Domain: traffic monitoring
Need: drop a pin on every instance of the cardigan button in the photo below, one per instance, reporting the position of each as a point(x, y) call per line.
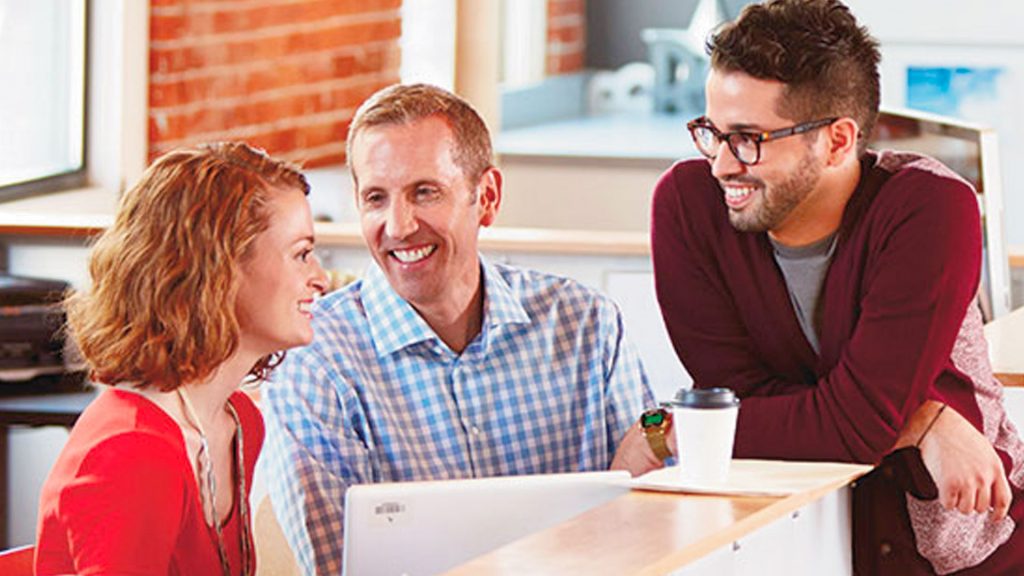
point(885, 548)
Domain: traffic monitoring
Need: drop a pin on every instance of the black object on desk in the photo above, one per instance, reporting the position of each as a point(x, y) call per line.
point(49, 402)
point(31, 321)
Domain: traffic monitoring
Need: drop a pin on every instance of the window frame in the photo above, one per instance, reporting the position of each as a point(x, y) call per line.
point(78, 177)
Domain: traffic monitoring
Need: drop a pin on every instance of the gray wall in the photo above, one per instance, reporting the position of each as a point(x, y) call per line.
point(613, 26)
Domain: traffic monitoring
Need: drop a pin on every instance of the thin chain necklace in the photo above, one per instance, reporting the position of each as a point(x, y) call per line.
point(208, 485)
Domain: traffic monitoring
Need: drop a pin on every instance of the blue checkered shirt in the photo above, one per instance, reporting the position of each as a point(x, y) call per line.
point(549, 385)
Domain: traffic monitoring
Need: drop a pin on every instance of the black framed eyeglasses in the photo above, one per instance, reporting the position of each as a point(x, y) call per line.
point(744, 145)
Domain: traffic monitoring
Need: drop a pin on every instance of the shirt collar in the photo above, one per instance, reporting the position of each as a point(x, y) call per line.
point(395, 324)
point(501, 305)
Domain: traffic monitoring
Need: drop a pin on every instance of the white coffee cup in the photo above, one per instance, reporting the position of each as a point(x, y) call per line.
point(704, 421)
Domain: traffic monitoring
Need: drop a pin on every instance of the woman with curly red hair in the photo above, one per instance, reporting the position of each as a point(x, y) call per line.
point(205, 277)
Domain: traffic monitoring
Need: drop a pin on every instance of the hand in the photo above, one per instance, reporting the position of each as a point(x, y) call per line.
point(635, 455)
point(965, 467)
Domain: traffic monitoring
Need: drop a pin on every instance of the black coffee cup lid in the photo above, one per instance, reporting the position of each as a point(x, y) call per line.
point(705, 398)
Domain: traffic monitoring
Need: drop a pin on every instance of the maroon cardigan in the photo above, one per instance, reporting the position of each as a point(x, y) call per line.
point(905, 271)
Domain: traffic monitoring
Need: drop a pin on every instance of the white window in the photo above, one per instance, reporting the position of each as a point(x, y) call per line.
point(524, 42)
point(42, 104)
point(428, 42)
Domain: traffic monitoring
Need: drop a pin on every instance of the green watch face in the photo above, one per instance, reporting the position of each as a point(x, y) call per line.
point(652, 418)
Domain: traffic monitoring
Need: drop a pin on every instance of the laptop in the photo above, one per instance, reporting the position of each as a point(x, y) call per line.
point(420, 528)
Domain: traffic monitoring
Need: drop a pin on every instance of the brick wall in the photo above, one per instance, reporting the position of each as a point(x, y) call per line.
point(284, 75)
point(567, 36)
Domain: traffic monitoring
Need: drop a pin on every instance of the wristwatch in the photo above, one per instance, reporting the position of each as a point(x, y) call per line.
point(655, 423)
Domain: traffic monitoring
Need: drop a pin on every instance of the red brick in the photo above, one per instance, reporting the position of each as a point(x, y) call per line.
point(560, 34)
point(233, 20)
point(284, 14)
point(332, 159)
point(370, 60)
point(316, 136)
point(566, 35)
point(566, 7)
point(278, 142)
point(172, 128)
point(228, 97)
point(164, 95)
point(166, 61)
point(564, 63)
point(248, 50)
point(293, 72)
point(166, 27)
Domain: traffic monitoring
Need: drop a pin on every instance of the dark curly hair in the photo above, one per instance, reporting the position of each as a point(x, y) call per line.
point(827, 61)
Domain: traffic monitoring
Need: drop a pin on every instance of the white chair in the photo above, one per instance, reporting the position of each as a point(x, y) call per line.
point(17, 561)
point(972, 151)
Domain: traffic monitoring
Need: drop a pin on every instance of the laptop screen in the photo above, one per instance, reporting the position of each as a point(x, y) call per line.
point(417, 528)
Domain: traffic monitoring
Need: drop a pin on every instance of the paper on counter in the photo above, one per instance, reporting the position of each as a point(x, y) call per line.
point(754, 478)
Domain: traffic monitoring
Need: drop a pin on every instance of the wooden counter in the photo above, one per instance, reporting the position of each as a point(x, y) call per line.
point(648, 533)
point(1005, 337)
point(56, 225)
point(1016, 255)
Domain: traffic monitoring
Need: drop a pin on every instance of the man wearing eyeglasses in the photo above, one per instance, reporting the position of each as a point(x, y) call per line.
point(833, 288)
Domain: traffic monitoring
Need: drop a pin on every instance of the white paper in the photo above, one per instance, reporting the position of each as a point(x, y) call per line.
point(752, 478)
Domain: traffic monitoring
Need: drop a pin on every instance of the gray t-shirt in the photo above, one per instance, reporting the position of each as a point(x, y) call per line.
point(804, 269)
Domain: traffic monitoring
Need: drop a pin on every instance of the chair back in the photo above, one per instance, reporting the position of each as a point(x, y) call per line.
point(17, 561)
point(972, 151)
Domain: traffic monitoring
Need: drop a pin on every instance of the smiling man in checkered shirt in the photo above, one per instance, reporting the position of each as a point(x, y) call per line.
point(440, 364)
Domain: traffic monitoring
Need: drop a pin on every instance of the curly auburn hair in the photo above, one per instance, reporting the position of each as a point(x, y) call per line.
point(407, 103)
point(161, 310)
point(828, 62)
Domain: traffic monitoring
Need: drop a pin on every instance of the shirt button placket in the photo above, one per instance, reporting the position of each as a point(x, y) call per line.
point(465, 410)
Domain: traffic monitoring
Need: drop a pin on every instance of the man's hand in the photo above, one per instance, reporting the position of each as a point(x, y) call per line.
point(635, 455)
point(966, 469)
